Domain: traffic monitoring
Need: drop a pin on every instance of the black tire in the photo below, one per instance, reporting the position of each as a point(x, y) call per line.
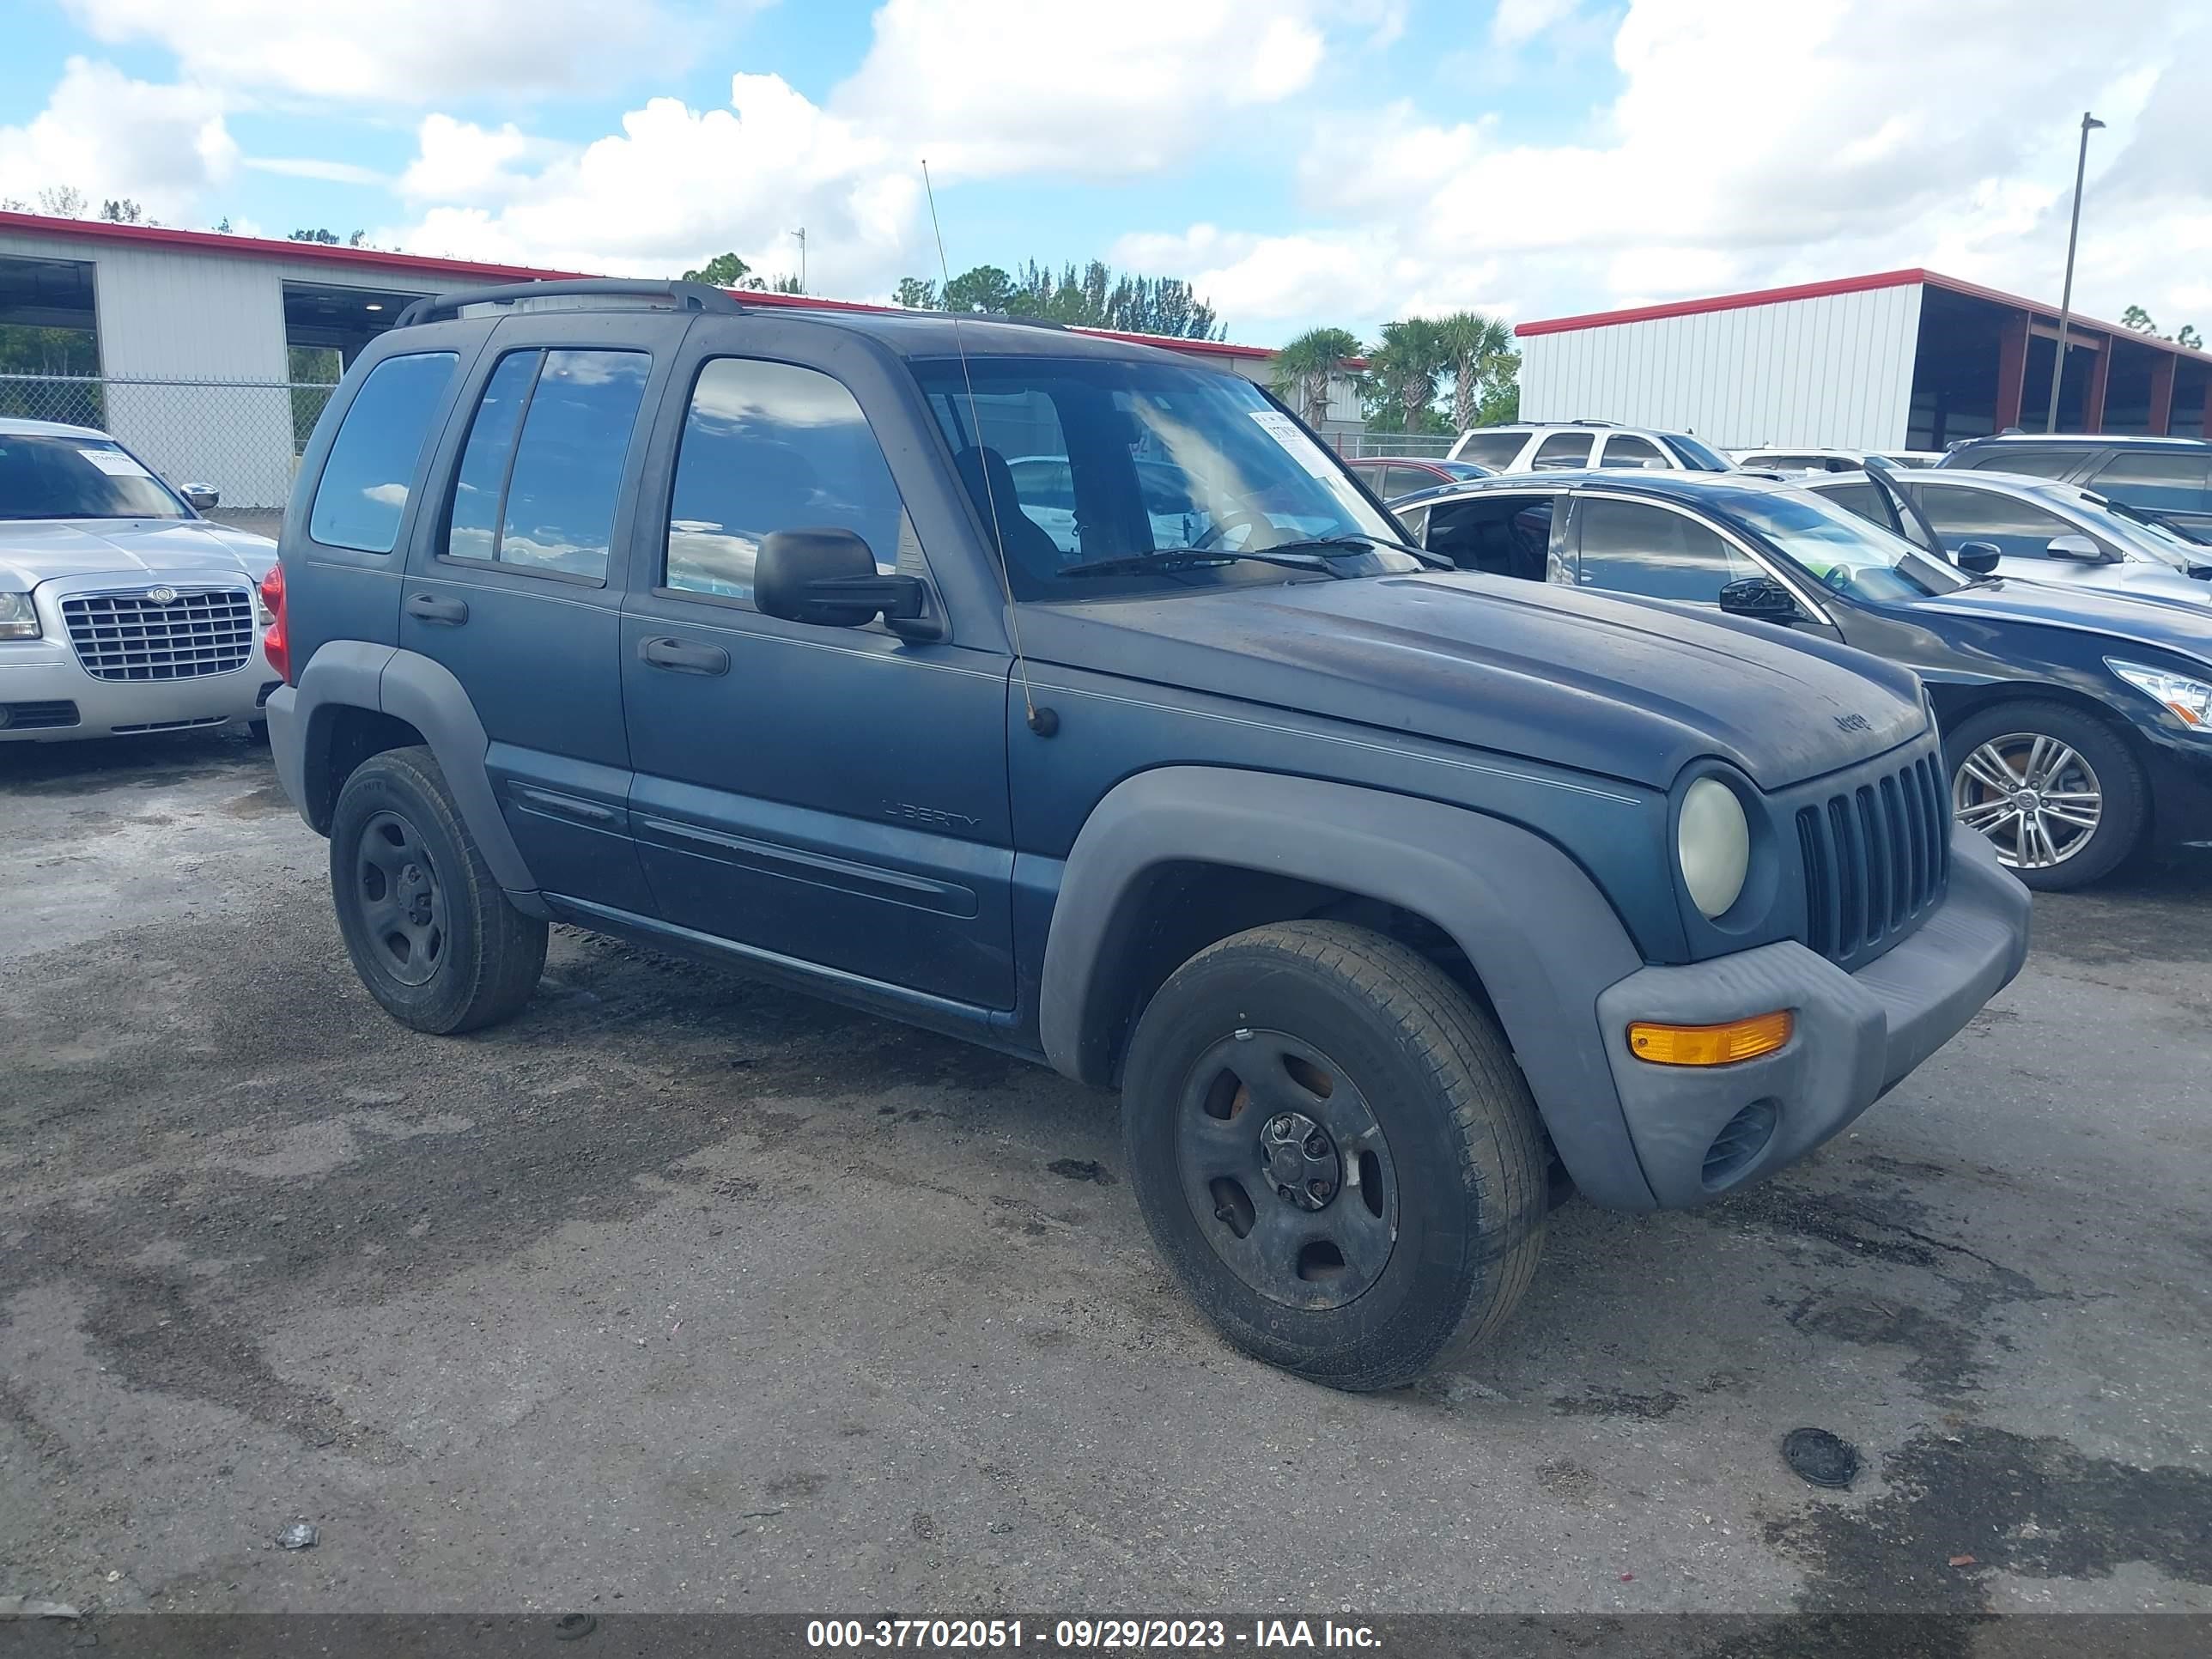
point(1455, 1198)
point(257, 732)
point(430, 933)
point(2105, 762)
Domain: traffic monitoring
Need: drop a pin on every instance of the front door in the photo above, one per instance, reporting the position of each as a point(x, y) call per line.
point(511, 590)
point(837, 796)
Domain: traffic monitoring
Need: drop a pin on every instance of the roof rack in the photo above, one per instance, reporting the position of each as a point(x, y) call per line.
point(1589, 423)
point(687, 296)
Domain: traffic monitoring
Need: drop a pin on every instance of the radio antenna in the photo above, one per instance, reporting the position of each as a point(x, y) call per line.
point(1042, 722)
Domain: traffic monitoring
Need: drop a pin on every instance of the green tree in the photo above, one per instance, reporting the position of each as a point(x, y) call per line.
point(321, 238)
point(1305, 366)
point(2136, 318)
point(2189, 337)
point(1090, 296)
point(914, 294)
point(986, 288)
point(63, 202)
point(124, 211)
point(1403, 368)
point(725, 270)
point(1501, 399)
point(1474, 347)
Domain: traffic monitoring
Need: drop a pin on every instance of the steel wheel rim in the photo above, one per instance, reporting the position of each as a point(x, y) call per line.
point(2035, 796)
point(1286, 1171)
point(402, 903)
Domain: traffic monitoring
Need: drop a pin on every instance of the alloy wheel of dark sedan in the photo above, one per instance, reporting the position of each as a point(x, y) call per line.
point(2037, 798)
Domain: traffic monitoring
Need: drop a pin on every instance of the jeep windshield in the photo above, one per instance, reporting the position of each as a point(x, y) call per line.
point(1112, 476)
point(50, 477)
point(1859, 559)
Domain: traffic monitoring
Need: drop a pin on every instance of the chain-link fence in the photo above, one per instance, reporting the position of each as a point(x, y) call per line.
point(243, 437)
point(1423, 445)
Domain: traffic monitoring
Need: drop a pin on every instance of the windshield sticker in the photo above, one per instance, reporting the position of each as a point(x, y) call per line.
point(1303, 450)
point(115, 464)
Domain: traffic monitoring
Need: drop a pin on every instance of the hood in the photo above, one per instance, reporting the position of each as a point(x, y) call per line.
point(1622, 688)
point(2123, 615)
point(35, 550)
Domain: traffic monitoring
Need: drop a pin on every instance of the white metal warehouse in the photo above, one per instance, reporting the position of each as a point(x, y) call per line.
point(1901, 359)
point(212, 355)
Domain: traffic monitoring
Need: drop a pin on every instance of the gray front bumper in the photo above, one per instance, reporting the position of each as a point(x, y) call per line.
point(1856, 1036)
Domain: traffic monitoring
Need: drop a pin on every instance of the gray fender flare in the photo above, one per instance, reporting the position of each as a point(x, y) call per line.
point(423, 692)
point(1535, 927)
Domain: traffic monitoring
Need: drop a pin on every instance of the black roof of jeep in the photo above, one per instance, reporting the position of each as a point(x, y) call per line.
point(906, 333)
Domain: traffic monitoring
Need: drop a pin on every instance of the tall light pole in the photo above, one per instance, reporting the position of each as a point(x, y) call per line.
point(801, 233)
point(2066, 297)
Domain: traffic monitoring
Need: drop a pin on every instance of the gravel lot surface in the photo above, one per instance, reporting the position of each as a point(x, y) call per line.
point(684, 1293)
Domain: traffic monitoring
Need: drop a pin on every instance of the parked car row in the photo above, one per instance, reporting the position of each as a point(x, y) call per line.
point(2065, 640)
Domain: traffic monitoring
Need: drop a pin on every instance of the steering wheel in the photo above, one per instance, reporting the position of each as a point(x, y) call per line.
point(1233, 519)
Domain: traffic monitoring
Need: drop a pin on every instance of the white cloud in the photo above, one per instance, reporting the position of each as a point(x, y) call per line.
point(1739, 154)
point(110, 135)
point(992, 88)
point(677, 184)
point(457, 161)
point(408, 52)
point(308, 167)
point(1517, 22)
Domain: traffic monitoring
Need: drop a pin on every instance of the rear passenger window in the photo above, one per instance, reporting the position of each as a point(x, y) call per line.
point(1864, 499)
point(362, 492)
point(538, 479)
point(1626, 449)
point(1563, 449)
point(770, 447)
point(1494, 450)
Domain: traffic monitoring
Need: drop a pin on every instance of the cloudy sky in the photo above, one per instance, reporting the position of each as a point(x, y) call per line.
point(1300, 161)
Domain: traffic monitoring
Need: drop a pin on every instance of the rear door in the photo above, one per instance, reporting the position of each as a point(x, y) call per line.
point(833, 796)
point(515, 583)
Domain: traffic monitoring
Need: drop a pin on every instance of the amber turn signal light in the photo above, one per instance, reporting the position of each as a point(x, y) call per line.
point(1709, 1045)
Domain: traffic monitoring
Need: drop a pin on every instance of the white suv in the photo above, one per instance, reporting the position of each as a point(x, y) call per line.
point(1549, 446)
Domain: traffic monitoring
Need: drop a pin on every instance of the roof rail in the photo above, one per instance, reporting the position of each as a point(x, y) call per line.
point(1589, 423)
point(688, 296)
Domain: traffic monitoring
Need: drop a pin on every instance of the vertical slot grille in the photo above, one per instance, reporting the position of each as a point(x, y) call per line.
point(1876, 855)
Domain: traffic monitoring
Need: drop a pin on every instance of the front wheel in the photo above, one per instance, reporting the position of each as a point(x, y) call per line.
point(430, 933)
point(2059, 794)
point(1336, 1151)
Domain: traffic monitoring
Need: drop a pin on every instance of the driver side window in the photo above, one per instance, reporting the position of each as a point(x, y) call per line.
point(1631, 547)
point(1962, 513)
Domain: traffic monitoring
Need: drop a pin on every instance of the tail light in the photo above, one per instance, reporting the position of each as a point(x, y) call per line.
point(274, 645)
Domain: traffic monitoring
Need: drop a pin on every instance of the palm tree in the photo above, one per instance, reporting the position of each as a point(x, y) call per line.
point(1403, 368)
point(1474, 347)
point(1305, 368)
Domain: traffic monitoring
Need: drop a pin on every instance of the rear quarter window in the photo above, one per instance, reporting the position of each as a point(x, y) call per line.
point(362, 494)
point(2036, 460)
point(1495, 450)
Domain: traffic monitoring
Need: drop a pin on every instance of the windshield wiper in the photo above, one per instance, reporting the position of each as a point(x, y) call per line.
point(1338, 547)
point(1202, 558)
point(2150, 516)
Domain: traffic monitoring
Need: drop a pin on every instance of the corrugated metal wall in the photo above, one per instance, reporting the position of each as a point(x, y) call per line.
point(1833, 370)
point(169, 315)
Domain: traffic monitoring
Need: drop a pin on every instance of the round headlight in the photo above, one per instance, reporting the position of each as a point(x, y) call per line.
point(1713, 844)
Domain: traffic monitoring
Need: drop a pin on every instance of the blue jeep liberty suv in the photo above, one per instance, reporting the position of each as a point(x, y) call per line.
point(1065, 694)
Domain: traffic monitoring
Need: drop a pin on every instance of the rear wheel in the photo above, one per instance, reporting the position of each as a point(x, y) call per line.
point(430, 933)
point(2058, 794)
point(1336, 1151)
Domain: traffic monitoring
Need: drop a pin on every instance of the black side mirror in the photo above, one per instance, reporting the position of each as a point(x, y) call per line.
point(2076, 550)
point(1761, 597)
point(1978, 558)
point(829, 578)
